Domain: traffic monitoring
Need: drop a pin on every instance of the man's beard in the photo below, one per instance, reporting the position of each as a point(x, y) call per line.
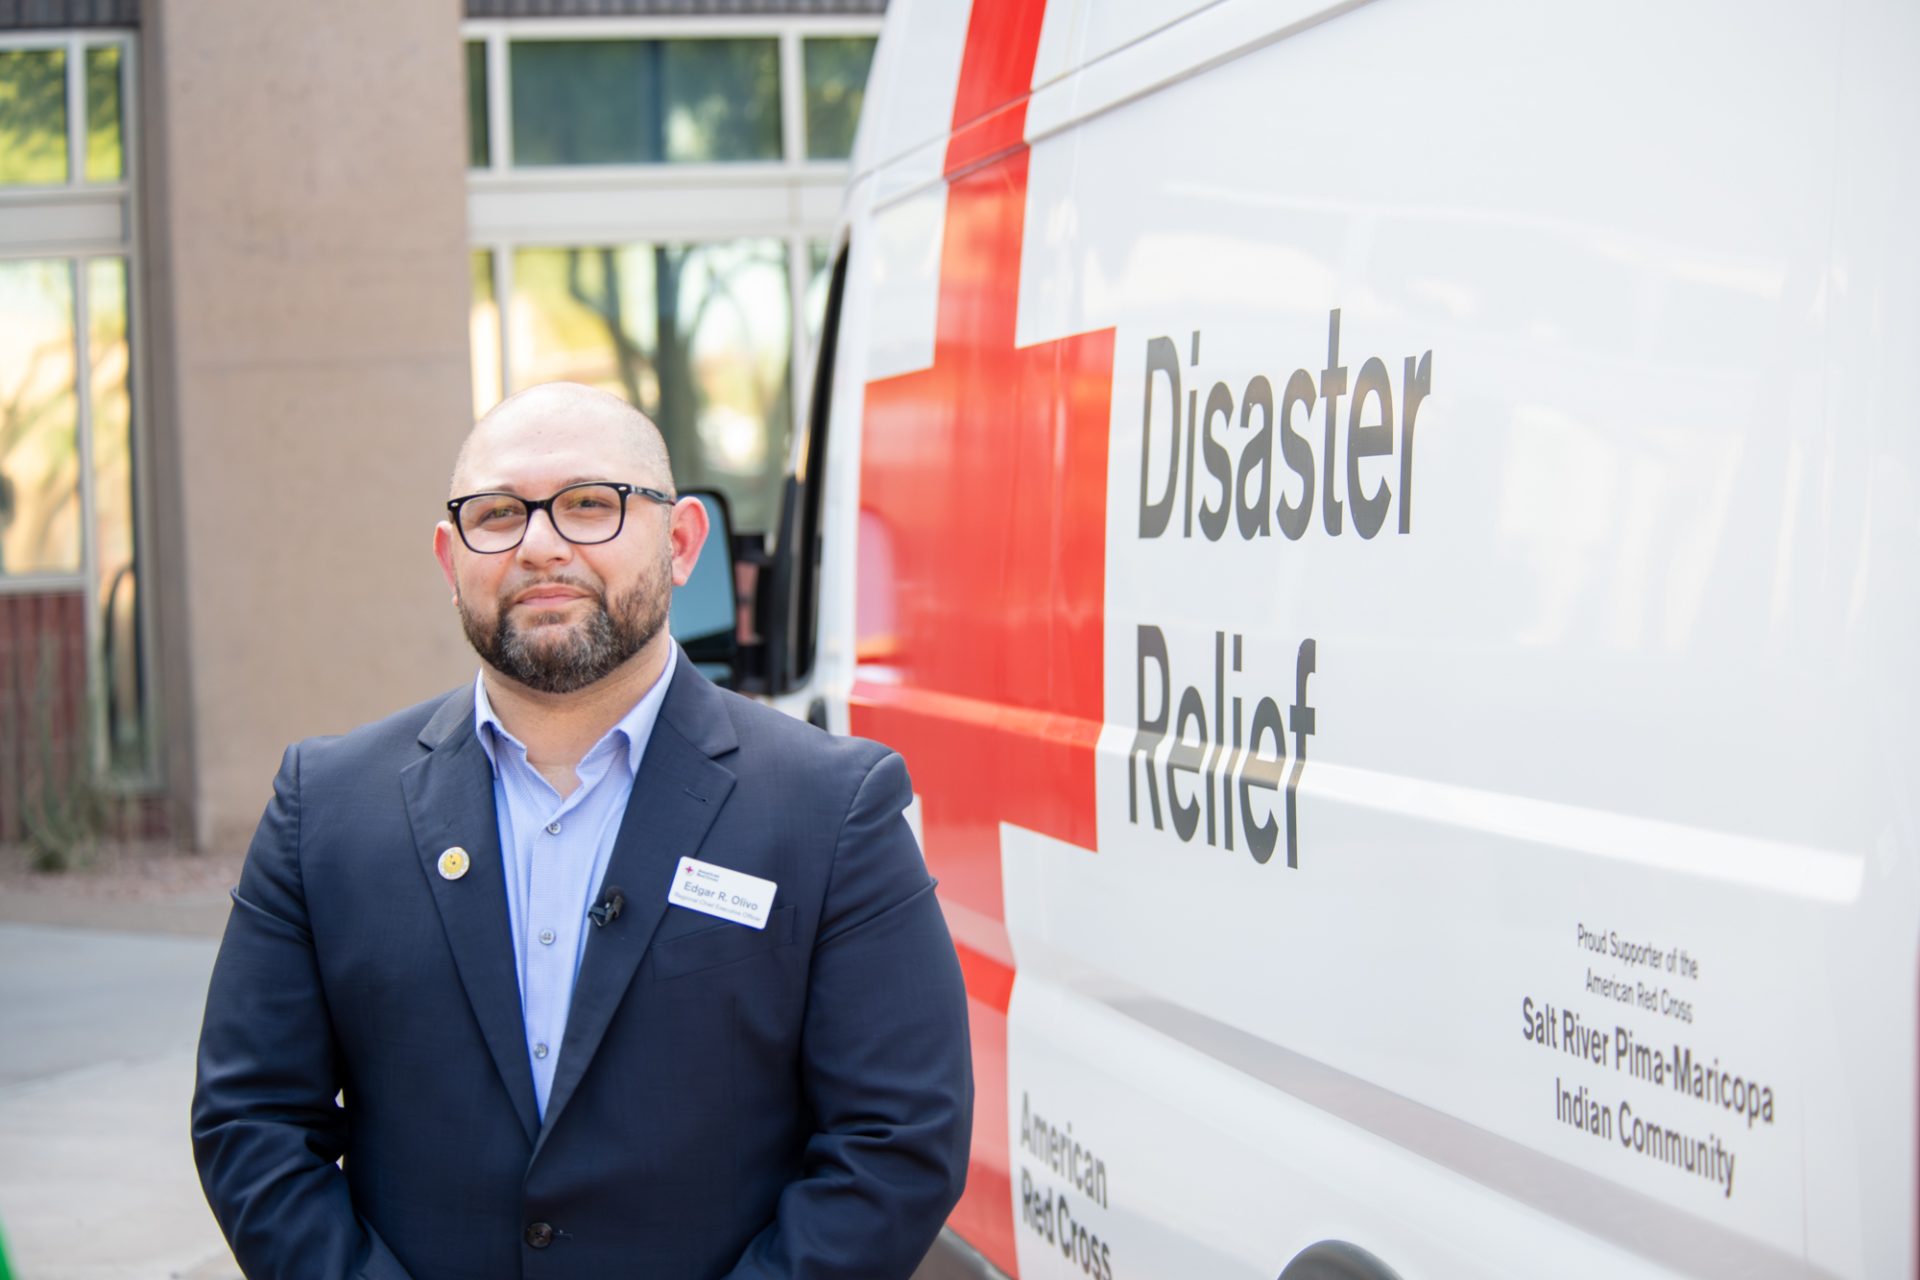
point(563, 662)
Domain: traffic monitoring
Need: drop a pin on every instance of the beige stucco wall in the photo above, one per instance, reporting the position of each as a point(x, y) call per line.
point(308, 264)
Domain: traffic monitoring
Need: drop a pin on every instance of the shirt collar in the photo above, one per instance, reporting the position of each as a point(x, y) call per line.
point(636, 727)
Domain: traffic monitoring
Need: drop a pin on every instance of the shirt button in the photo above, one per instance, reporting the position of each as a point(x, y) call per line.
point(553, 828)
point(546, 937)
point(540, 1051)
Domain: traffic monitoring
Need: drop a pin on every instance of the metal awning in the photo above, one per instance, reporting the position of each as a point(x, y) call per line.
point(27, 15)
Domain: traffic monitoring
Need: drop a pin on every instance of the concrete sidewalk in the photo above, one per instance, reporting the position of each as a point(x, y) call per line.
point(101, 990)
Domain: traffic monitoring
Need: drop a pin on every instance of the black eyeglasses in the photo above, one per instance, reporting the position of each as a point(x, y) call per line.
point(583, 514)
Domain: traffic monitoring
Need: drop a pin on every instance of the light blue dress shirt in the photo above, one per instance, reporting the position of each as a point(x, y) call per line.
point(555, 850)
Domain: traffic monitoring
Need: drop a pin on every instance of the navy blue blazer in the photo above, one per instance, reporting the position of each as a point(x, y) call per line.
point(792, 1102)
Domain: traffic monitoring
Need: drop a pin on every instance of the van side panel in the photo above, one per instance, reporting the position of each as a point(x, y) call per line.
point(1386, 534)
point(1008, 540)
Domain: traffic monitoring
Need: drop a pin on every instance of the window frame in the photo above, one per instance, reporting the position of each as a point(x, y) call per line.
point(788, 32)
point(96, 220)
point(795, 199)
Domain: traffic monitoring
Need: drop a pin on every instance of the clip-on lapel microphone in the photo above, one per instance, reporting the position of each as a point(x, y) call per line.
point(609, 909)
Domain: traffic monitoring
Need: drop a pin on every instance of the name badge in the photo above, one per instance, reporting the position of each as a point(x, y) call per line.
point(721, 891)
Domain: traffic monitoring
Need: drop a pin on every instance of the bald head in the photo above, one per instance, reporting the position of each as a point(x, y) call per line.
point(564, 415)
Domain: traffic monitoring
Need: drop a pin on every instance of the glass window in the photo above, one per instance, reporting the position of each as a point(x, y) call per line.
point(723, 100)
point(39, 407)
point(819, 274)
point(484, 335)
point(836, 83)
point(69, 467)
point(106, 152)
point(33, 117)
point(644, 101)
point(698, 336)
point(478, 139)
point(115, 515)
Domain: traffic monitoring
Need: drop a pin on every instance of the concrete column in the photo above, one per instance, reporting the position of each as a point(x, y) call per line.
point(307, 253)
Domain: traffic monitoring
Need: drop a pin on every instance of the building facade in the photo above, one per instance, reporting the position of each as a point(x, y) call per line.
point(260, 267)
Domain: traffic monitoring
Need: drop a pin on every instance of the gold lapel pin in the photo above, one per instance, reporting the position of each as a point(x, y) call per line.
point(454, 863)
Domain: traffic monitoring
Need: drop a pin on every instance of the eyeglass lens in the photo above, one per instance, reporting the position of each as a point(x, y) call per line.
point(583, 513)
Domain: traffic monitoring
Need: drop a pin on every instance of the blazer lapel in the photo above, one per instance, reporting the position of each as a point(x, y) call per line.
point(449, 794)
point(675, 797)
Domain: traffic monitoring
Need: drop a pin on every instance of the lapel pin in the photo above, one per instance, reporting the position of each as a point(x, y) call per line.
point(454, 863)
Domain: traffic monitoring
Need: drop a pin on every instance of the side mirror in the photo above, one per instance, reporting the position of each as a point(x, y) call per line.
point(704, 614)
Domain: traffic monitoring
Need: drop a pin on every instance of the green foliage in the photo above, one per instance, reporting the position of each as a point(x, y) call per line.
point(33, 116)
point(479, 135)
point(837, 69)
point(106, 158)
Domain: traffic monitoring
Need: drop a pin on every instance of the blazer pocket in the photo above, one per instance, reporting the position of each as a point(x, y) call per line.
point(721, 944)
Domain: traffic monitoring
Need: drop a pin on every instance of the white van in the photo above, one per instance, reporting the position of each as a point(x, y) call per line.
point(1387, 535)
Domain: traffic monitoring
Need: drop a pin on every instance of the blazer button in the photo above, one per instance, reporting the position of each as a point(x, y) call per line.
point(539, 1235)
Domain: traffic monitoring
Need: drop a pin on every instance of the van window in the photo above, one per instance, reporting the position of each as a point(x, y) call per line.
point(791, 605)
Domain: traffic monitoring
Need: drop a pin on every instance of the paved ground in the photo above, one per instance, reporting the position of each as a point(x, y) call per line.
point(102, 978)
point(103, 974)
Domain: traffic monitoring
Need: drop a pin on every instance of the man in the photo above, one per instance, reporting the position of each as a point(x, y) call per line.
point(476, 949)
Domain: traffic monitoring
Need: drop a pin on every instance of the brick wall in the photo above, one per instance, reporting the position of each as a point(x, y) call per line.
point(43, 700)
